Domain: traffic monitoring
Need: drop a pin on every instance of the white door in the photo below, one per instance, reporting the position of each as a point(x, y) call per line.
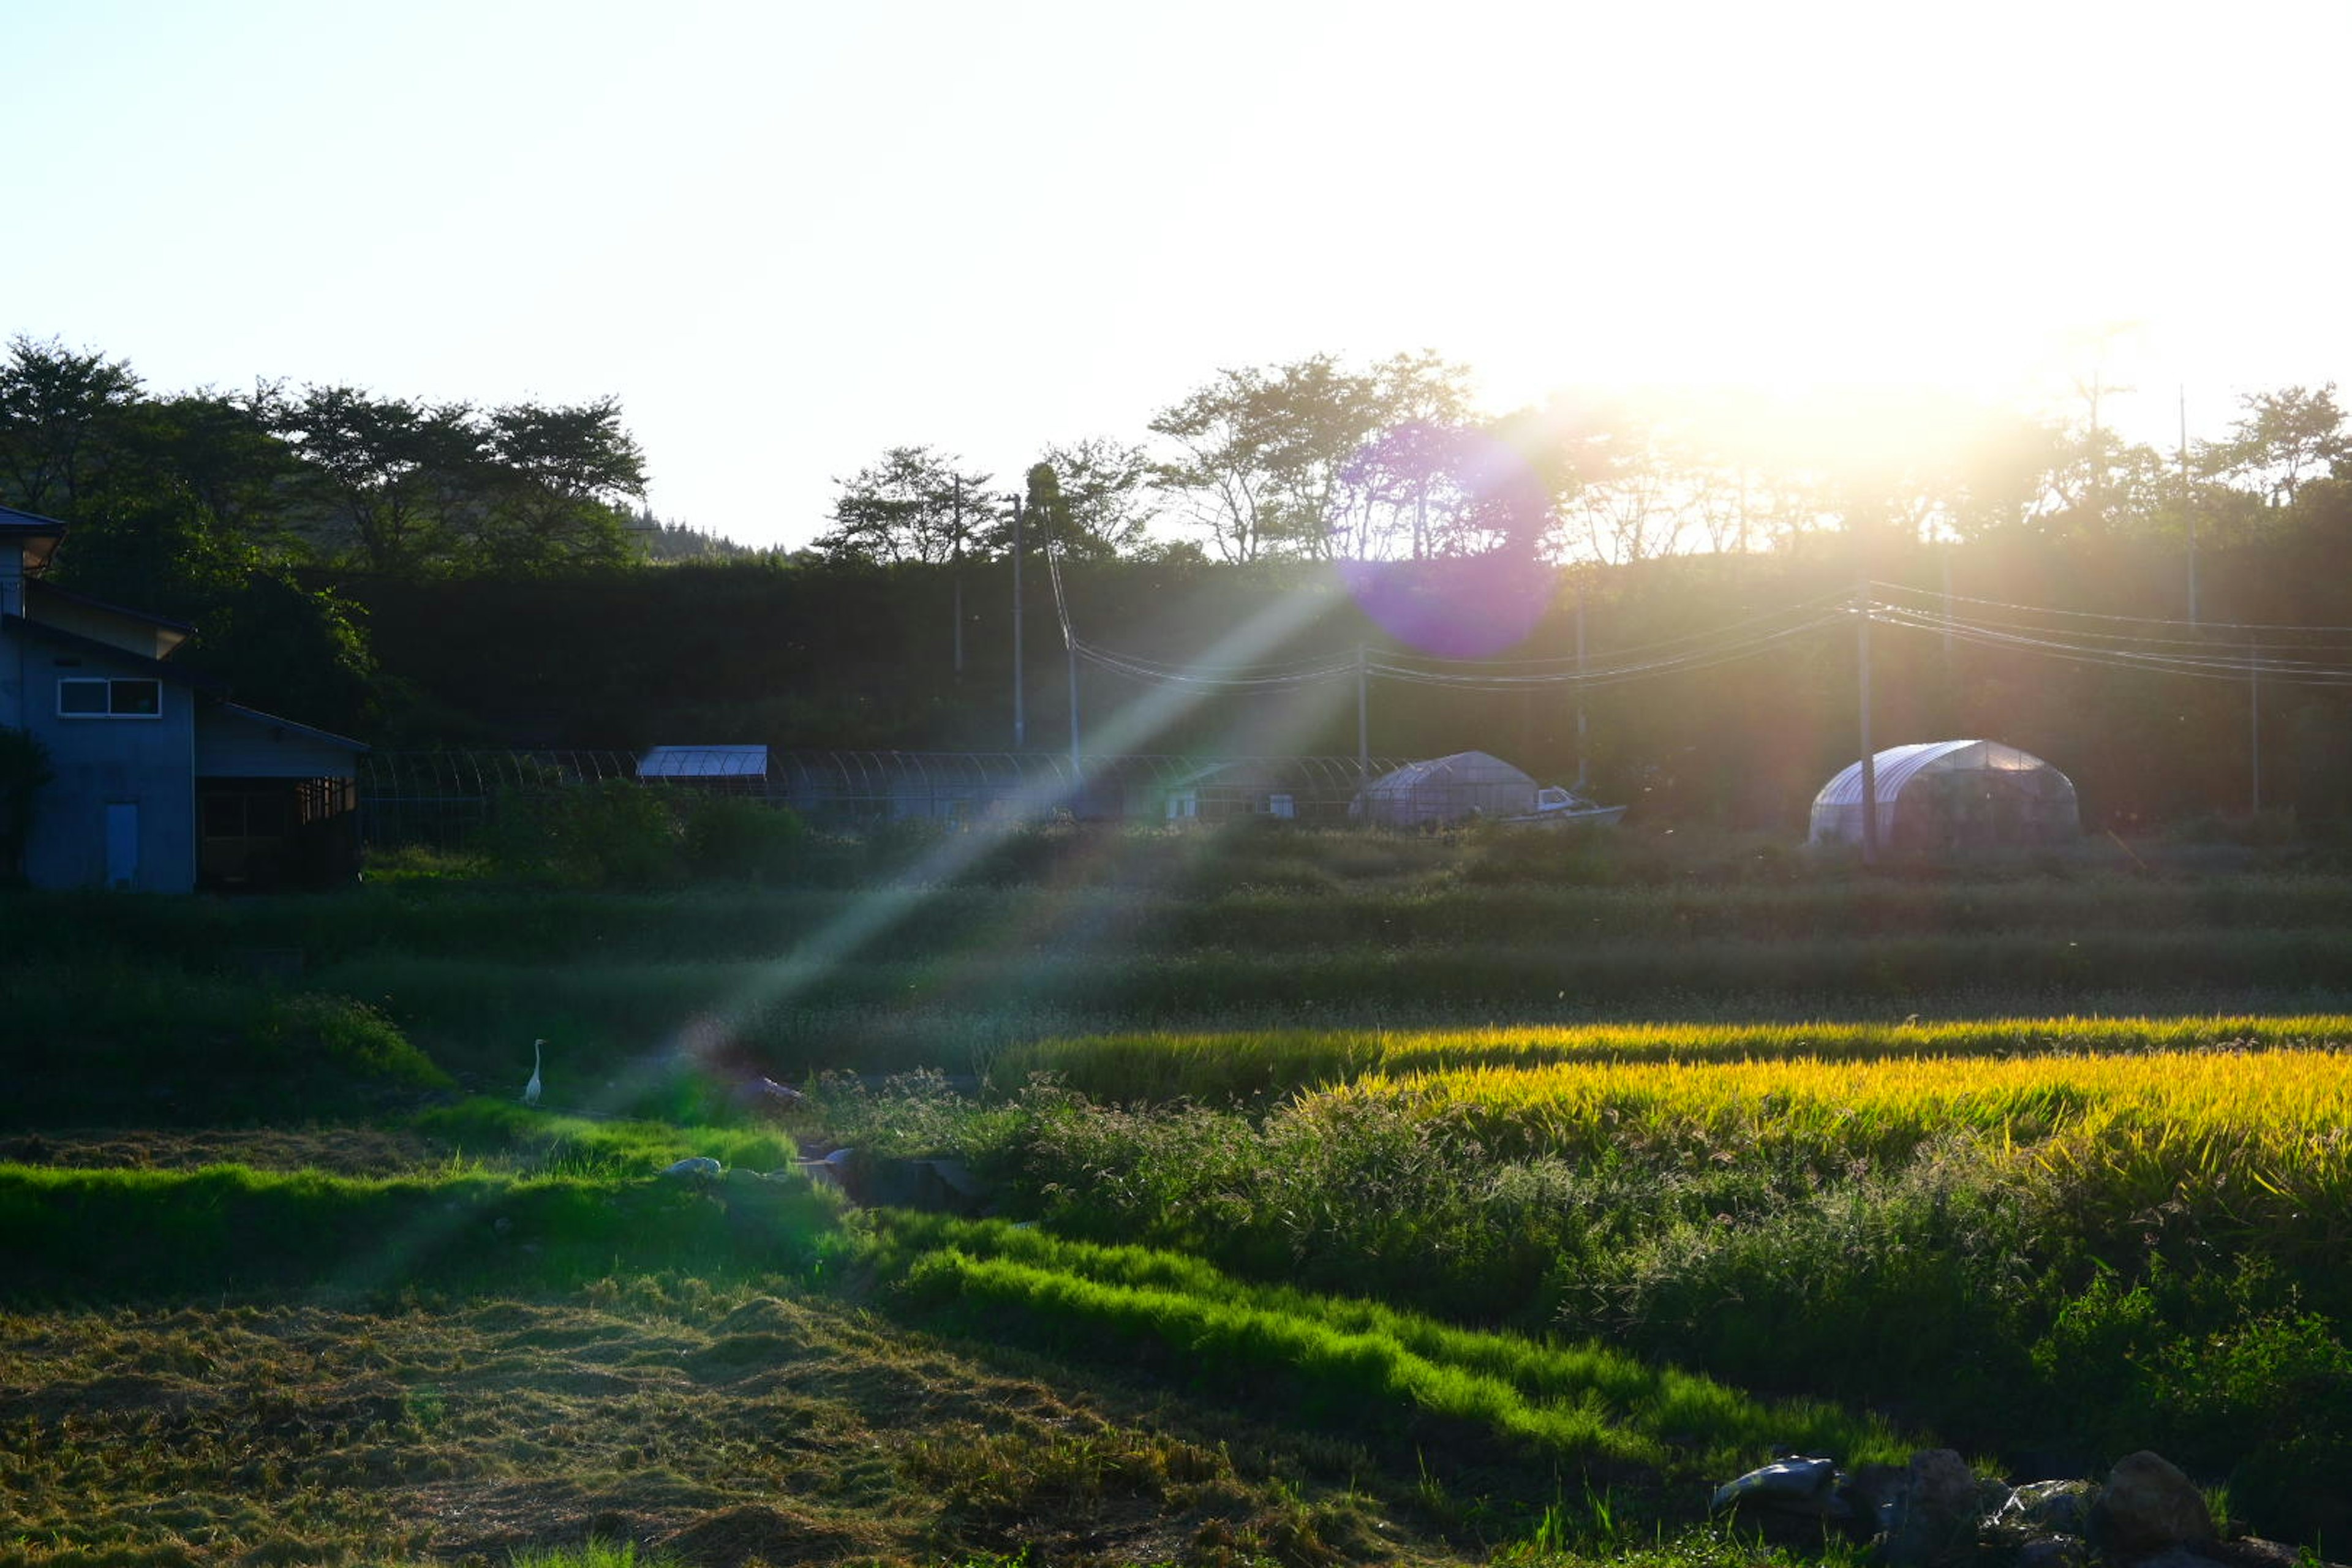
point(122, 843)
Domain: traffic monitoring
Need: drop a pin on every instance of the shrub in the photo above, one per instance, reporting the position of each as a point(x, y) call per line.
point(337, 1035)
point(734, 839)
point(613, 833)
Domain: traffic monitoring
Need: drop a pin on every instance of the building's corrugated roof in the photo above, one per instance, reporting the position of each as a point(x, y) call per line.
point(704, 762)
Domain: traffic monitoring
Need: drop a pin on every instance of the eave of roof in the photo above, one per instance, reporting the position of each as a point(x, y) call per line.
point(137, 661)
point(15, 521)
point(329, 736)
point(51, 591)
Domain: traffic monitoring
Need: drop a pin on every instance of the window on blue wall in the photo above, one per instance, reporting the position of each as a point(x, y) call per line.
point(92, 699)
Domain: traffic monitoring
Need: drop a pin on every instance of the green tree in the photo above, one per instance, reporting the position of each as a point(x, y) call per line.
point(2284, 437)
point(24, 769)
point(913, 505)
point(1412, 485)
point(57, 412)
point(549, 488)
point(392, 473)
point(1106, 498)
point(1261, 456)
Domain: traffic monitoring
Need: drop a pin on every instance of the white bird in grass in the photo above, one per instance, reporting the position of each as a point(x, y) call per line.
point(530, 1089)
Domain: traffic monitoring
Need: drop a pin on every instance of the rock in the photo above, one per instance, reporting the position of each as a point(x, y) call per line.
point(2062, 1507)
point(2055, 1552)
point(1933, 1516)
point(2175, 1557)
point(1872, 1491)
point(2147, 1506)
point(1794, 1485)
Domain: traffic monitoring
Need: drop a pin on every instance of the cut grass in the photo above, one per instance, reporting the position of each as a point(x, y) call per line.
point(685, 1421)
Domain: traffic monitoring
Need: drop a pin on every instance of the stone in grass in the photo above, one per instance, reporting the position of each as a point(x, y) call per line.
point(2055, 1552)
point(1793, 1485)
point(1934, 1518)
point(2147, 1506)
point(2062, 1507)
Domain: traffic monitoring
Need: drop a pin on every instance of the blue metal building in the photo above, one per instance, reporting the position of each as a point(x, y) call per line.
point(158, 783)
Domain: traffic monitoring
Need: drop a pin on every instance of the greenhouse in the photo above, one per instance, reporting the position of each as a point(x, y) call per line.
point(1446, 789)
point(1947, 796)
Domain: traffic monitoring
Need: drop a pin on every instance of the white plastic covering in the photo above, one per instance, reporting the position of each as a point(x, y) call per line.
point(1952, 795)
point(704, 762)
point(1446, 789)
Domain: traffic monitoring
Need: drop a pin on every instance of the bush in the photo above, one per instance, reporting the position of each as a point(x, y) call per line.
point(343, 1037)
point(613, 833)
point(728, 838)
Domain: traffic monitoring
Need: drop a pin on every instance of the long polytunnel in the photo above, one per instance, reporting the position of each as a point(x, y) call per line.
point(1946, 795)
point(439, 798)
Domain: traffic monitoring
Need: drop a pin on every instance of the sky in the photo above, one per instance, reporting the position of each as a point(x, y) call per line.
point(788, 236)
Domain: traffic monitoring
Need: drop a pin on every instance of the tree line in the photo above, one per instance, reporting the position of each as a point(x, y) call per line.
point(1315, 460)
point(221, 508)
point(373, 564)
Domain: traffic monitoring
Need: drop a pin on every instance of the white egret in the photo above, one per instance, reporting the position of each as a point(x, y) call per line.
point(530, 1089)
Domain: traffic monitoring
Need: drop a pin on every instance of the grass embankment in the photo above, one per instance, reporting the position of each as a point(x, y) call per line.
point(152, 1235)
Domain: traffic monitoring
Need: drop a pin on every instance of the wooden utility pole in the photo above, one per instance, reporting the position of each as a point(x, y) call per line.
point(958, 577)
point(2189, 505)
point(1580, 764)
point(1363, 721)
point(1020, 721)
point(1070, 652)
point(2254, 720)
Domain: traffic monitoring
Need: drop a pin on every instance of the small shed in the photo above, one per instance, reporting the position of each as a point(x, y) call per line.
point(277, 802)
point(1947, 796)
point(1445, 789)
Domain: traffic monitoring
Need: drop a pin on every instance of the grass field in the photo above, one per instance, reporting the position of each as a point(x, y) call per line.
point(1417, 1202)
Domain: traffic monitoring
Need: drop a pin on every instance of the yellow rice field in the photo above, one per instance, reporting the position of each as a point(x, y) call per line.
point(2242, 1139)
point(1213, 1066)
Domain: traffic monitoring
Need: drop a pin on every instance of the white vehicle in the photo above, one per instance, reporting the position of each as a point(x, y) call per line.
point(1558, 807)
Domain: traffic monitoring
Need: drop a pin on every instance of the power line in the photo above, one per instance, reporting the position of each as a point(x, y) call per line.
point(2221, 664)
point(2095, 616)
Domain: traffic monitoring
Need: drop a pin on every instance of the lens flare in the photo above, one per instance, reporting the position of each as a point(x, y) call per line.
point(1471, 507)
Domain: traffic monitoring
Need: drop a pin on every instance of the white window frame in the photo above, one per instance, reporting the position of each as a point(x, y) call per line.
point(110, 683)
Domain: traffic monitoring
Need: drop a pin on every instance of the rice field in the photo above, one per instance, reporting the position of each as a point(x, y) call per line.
point(1220, 1065)
point(1598, 1183)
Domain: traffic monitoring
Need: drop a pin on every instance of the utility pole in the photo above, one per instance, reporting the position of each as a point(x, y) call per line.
point(1869, 758)
point(1070, 652)
point(2189, 505)
point(1363, 721)
point(958, 576)
point(1944, 555)
point(2254, 720)
point(1020, 722)
point(1580, 684)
